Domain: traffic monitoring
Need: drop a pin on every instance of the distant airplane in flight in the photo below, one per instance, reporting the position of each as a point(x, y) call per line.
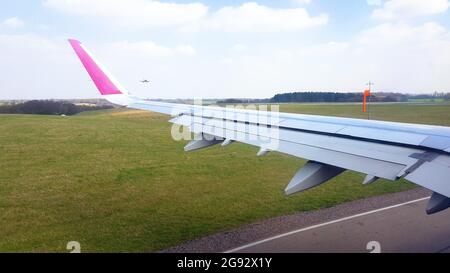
point(145, 81)
point(389, 150)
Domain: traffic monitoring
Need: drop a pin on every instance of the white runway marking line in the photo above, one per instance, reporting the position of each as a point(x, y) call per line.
point(323, 224)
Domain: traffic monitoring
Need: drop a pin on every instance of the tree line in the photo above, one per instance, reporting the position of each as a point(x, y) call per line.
point(327, 97)
point(336, 97)
point(48, 107)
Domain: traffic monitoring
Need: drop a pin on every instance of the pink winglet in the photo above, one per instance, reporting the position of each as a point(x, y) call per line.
point(101, 80)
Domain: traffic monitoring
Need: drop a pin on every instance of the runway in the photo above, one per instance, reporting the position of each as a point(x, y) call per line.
point(401, 228)
point(389, 223)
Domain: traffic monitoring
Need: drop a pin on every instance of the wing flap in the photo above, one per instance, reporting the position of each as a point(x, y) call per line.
point(383, 135)
point(436, 142)
point(433, 175)
point(271, 136)
point(363, 164)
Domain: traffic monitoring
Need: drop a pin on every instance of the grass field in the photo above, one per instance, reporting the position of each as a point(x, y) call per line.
point(116, 181)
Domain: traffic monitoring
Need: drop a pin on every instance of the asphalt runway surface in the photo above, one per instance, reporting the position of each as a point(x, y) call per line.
point(402, 228)
point(389, 223)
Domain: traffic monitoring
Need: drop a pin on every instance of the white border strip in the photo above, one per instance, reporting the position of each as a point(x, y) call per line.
point(323, 224)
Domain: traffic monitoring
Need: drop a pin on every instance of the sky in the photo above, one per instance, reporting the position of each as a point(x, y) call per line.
point(225, 49)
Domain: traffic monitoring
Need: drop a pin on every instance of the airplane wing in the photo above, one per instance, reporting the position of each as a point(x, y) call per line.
point(332, 145)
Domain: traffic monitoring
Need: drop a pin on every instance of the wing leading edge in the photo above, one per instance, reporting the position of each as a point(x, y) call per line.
point(418, 153)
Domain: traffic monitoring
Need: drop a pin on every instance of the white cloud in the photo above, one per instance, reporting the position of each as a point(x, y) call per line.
point(36, 67)
point(33, 66)
point(302, 2)
point(190, 17)
point(43, 27)
point(13, 22)
point(259, 18)
point(398, 9)
point(239, 47)
point(401, 34)
point(186, 50)
point(396, 56)
point(147, 49)
point(135, 13)
point(374, 2)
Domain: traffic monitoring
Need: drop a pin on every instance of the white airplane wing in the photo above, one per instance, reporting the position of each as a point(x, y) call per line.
point(389, 150)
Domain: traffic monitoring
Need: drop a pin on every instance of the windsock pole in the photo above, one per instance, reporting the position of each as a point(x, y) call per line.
point(367, 97)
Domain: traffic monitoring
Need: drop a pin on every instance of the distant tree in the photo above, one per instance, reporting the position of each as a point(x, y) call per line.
point(48, 107)
point(230, 101)
point(336, 97)
point(316, 97)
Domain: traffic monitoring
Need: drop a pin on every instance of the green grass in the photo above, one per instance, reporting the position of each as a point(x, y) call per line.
point(116, 181)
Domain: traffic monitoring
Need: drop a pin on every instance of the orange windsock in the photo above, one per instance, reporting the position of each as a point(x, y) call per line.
point(366, 94)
